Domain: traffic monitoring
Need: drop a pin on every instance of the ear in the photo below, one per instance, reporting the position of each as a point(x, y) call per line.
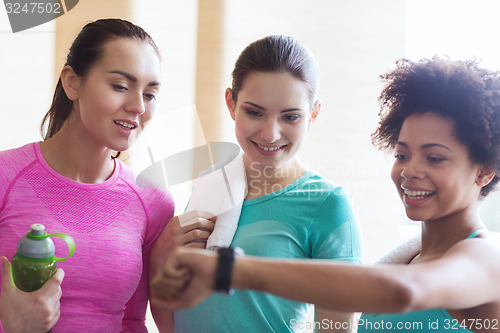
point(230, 102)
point(485, 175)
point(70, 82)
point(314, 113)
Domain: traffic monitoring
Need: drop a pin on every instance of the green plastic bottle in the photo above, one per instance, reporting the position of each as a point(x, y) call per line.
point(35, 262)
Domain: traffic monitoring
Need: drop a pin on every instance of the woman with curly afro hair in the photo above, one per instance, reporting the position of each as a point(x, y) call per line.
point(441, 118)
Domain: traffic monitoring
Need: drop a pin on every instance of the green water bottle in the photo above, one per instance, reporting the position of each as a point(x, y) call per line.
point(35, 262)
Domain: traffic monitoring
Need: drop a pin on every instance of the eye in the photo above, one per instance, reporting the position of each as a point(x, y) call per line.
point(400, 156)
point(150, 97)
point(291, 117)
point(253, 113)
point(435, 159)
point(119, 87)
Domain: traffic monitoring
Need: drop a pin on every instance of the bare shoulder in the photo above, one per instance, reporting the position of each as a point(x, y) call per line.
point(465, 277)
point(484, 252)
point(491, 243)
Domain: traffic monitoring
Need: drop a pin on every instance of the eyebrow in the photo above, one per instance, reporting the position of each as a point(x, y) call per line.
point(424, 146)
point(264, 109)
point(133, 78)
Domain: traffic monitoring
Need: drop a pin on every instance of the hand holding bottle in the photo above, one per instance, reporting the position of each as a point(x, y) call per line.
point(31, 288)
point(30, 312)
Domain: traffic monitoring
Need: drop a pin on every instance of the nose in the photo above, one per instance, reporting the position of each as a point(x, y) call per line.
point(271, 131)
point(412, 169)
point(136, 103)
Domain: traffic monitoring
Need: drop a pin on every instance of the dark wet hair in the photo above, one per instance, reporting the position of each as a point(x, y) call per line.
point(277, 54)
point(87, 48)
point(457, 90)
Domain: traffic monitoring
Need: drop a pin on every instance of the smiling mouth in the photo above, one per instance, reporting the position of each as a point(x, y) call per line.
point(124, 124)
point(271, 149)
point(416, 195)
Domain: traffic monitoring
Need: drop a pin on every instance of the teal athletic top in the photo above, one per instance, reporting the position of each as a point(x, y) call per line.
point(310, 218)
point(425, 321)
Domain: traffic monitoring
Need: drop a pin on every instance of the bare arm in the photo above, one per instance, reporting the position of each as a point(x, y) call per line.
point(383, 288)
point(328, 285)
point(195, 229)
point(340, 287)
point(164, 319)
point(345, 322)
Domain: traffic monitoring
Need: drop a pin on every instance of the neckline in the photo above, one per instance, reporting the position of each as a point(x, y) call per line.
point(71, 182)
point(281, 191)
point(472, 235)
point(476, 233)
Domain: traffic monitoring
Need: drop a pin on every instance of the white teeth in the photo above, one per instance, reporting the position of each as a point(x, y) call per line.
point(124, 124)
point(417, 193)
point(269, 148)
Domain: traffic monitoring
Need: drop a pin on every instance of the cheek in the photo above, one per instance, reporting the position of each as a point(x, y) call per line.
point(295, 133)
point(244, 129)
point(300, 133)
point(95, 106)
point(396, 174)
point(455, 182)
point(240, 135)
point(147, 117)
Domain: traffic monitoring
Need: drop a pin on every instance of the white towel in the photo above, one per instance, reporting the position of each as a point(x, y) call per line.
point(221, 192)
point(404, 253)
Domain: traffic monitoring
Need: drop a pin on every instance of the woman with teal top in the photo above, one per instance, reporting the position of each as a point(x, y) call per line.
point(441, 118)
point(289, 211)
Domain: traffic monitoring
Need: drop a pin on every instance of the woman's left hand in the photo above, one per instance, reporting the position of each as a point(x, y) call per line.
point(185, 279)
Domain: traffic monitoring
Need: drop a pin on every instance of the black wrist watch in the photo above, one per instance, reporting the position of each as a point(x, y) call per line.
point(225, 269)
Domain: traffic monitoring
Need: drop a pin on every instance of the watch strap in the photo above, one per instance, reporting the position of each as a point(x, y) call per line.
point(225, 269)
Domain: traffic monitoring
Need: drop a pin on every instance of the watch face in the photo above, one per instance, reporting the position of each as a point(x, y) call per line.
point(26, 14)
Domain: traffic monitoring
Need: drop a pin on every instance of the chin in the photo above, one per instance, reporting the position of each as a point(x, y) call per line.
point(415, 216)
point(118, 148)
point(122, 146)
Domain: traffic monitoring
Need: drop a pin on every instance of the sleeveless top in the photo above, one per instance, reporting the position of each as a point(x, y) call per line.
point(425, 321)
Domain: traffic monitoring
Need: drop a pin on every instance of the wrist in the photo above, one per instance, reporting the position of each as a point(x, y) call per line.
point(225, 268)
point(239, 278)
point(247, 273)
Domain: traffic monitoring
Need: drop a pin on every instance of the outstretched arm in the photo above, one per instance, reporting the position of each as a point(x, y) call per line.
point(441, 283)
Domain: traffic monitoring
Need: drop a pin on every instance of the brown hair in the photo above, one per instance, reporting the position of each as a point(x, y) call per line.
point(457, 90)
point(86, 49)
point(277, 54)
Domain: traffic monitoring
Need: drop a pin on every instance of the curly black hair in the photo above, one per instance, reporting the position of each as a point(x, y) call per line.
point(457, 90)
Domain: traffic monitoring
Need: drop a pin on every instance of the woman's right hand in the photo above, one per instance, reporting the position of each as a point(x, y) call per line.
point(191, 229)
point(35, 312)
